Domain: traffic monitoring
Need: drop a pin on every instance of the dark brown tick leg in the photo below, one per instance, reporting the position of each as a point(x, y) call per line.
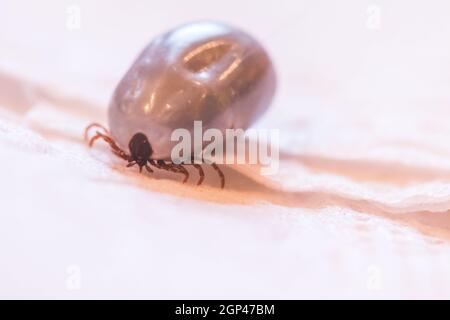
point(161, 164)
point(94, 125)
point(200, 170)
point(202, 173)
point(115, 148)
point(220, 173)
point(178, 168)
point(147, 167)
point(183, 171)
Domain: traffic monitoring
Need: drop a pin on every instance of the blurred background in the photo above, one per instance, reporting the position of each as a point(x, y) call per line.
point(359, 208)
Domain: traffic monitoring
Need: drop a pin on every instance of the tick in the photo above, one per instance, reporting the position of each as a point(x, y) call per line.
point(203, 71)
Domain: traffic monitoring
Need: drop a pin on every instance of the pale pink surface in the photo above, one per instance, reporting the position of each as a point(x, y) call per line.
point(359, 208)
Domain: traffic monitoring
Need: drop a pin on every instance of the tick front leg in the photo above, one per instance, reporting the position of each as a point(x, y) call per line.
point(94, 125)
point(105, 137)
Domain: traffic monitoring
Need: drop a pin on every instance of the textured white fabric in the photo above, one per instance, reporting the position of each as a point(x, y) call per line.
point(359, 208)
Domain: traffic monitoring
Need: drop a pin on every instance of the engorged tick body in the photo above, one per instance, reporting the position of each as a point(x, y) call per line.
point(201, 71)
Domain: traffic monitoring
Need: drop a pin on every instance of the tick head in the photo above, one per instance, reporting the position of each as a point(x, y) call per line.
point(140, 149)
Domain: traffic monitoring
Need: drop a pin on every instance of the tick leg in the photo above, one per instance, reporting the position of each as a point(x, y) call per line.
point(114, 147)
point(160, 164)
point(220, 173)
point(200, 172)
point(94, 125)
point(147, 167)
point(183, 171)
point(179, 169)
point(199, 169)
